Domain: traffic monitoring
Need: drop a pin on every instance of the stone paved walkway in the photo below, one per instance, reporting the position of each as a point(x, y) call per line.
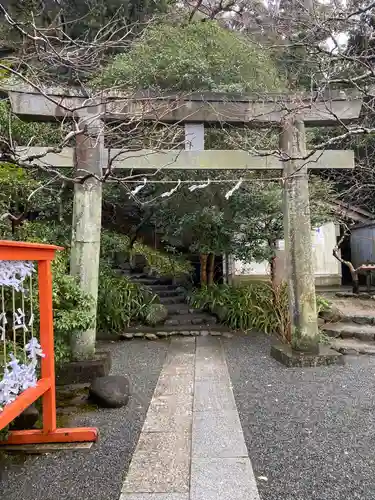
point(192, 446)
point(309, 432)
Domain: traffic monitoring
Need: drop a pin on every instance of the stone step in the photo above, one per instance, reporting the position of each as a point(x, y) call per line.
point(151, 281)
point(191, 319)
point(174, 309)
point(177, 299)
point(353, 346)
point(140, 331)
point(162, 288)
point(130, 273)
point(146, 279)
point(350, 330)
point(169, 293)
point(360, 318)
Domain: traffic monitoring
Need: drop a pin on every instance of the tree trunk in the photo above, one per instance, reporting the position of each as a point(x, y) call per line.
point(273, 271)
point(352, 269)
point(211, 268)
point(203, 262)
point(355, 279)
point(272, 263)
point(144, 221)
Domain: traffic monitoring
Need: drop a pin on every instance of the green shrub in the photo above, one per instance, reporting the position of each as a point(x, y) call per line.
point(161, 263)
point(51, 232)
point(322, 304)
point(158, 262)
point(191, 57)
point(255, 306)
point(120, 301)
point(71, 306)
point(156, 314)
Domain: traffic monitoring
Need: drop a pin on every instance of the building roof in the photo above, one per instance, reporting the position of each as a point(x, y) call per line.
point(352, 212)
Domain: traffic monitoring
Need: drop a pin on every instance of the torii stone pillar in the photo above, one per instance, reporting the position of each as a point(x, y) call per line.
point(86, 225)
point(298, 239)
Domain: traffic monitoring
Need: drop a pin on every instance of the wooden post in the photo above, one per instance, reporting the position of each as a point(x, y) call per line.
point(298, 240)
point(47, 344)
point(86, 225)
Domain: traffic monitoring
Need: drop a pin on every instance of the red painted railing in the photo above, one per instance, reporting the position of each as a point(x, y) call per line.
point(45, 387)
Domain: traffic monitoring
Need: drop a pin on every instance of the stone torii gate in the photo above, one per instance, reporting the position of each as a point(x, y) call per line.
point(290, 113)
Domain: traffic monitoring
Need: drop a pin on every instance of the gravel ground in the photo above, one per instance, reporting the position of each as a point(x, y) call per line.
point(310, 432)
point(97, 473)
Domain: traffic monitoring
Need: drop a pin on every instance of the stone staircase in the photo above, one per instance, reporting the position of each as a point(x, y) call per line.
point(181, 316)
point(351, 326)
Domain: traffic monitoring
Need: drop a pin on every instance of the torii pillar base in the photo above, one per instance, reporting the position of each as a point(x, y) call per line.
point(299, 359)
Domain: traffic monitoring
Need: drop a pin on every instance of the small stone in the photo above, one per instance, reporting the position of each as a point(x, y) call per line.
point(185, 332)
point(110, 392)
point(204, 333)
point(139, 335)
point(150, 336)
point(215, 334)
point(126, 336)
point(162, 334)
point(227, 335)
point(27, 419)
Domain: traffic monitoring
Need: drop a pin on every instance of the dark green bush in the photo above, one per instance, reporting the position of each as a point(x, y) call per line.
point(120, 301)
point(253, 306)
point(161, 263)
point(71, 306)
point(256, 306)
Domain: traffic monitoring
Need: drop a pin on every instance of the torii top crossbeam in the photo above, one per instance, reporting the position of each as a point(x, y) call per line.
point(251, 110)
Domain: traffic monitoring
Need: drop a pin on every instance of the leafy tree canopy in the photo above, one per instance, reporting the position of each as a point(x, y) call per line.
point(191, 57)
point(247, 225)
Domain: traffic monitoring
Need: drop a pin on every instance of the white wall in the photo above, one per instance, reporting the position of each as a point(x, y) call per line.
point(325, 264)
point(324, 241)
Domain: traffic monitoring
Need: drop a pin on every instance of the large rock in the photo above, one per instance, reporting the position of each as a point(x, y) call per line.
point(220, 312)
point(333, 315)
point(27, 419)
point(157, 314)
point(111, 391)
